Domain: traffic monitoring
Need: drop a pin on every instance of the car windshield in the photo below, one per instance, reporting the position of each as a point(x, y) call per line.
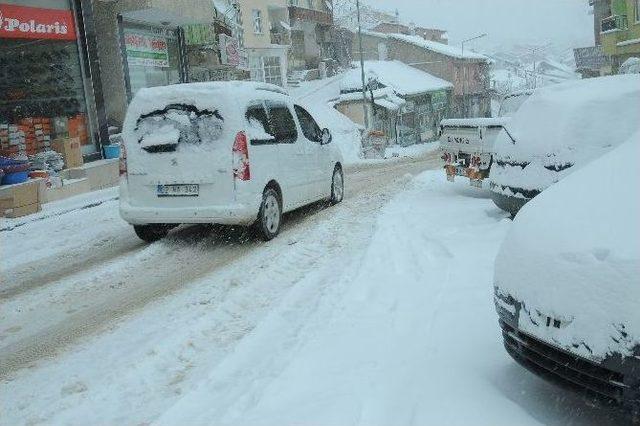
point(319, 212)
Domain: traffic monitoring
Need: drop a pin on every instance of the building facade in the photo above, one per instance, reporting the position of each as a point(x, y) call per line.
point(619, 31)
point(77, 79)
point(312, 38)
point(467, 71)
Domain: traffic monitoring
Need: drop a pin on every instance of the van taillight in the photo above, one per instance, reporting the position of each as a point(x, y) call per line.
point(123, 160)
point(241, 157)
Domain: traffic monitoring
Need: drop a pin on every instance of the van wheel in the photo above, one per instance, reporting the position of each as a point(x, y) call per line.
point(337, 186)
point(151, 233)
point(270, 215)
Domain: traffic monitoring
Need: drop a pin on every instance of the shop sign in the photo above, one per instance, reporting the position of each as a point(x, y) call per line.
point(146, 50)
point(36, 23)
point(199, 34)
point(229, 50)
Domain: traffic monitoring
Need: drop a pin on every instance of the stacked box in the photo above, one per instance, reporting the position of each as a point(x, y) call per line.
point(27, 137)
point(20, 199)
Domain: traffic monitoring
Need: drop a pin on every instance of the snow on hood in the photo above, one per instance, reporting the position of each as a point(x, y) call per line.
point(573, 253)
point(565, 125)
point(403, 79)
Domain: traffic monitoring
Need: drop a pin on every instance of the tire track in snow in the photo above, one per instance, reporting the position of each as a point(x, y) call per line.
point(157, 276)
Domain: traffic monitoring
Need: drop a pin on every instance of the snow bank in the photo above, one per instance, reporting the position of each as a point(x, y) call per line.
point(562, 127)
point(402, 78)
point(573, 253)
point(402, 337)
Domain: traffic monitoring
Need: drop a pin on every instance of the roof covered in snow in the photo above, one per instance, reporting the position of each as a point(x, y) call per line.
point(444, 49)
point(402, 78)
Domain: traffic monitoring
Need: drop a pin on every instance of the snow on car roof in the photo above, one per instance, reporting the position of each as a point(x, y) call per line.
point(402, 78)
point(573, 252)
point(574, 120)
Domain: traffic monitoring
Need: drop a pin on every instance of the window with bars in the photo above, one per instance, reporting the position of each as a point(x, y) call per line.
point(257, 21)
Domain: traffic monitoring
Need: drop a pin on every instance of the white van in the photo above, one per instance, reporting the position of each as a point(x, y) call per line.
point(232, 153)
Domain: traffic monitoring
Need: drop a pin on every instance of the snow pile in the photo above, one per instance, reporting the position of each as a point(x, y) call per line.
point(403, 79)
point(573, 253)
point(630, 66)
point(562, 127)
point(402, 337)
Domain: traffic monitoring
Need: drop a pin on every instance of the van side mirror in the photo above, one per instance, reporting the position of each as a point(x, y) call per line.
point(325, 137)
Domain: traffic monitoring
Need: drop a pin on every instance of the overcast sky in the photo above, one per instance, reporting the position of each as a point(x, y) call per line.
point(507, 22)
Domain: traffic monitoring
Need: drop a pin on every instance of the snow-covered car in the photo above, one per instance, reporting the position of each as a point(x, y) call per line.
point(559, 129)
point(231, 153)
point(567, 287)
point(468, 143)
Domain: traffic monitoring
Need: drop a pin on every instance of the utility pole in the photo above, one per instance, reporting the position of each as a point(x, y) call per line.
point(364, 86)
point(464, 73)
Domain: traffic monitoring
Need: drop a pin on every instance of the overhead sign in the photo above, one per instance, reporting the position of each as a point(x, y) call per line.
point(147, 50)
point(36, 23)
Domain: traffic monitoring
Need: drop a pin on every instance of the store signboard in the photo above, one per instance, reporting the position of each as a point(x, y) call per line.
point(147, 50)
point(229, 50)
point(36, 23)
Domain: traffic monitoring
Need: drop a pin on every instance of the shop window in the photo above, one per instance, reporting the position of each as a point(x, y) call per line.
point(153, 57)
point(257, 21)
point(43, 96)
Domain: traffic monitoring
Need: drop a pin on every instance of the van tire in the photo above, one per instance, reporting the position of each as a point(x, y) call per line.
point(270, 215)
point(337, 185)
point(151, 233)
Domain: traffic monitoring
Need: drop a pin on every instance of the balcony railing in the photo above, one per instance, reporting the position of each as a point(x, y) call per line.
point(297, 13)
point(613, 23)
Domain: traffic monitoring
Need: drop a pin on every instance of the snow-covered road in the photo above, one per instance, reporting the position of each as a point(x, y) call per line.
point(375, 311)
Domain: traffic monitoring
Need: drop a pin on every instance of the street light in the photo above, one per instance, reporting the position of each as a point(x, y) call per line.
point(464, 72)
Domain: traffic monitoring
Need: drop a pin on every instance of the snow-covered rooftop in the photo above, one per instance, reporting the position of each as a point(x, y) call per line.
point(402, 78)
point(441, 48)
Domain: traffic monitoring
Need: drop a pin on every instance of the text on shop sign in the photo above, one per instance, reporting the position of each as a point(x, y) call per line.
point(36, 23)
point(146, 50)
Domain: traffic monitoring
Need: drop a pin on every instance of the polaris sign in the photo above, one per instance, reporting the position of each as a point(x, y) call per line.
point(36, 23)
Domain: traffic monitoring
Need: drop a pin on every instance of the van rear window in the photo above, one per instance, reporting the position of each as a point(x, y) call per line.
point(178, 125)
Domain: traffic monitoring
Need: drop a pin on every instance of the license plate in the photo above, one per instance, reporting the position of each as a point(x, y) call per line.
point(190, 190)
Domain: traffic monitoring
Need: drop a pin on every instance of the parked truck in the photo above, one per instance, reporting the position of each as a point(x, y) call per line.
point(467, 144)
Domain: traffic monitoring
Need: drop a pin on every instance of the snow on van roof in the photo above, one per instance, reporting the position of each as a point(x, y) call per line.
point(200, 95)
point(573, 252)
point(475, 122)
point(402, 78)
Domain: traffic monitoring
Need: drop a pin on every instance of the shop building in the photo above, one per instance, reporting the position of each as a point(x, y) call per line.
point(311, 33)
point(68, 68)
point(45, 77)
point(405, 105)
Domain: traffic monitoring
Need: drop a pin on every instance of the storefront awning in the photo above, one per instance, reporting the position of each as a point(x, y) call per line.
point(156, 16)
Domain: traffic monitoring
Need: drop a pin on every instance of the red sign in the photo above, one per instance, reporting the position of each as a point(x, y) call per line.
point(36, 23)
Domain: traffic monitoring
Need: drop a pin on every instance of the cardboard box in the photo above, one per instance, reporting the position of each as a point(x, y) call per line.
point(70, 149)
point(19, 195)
point(22, 211)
